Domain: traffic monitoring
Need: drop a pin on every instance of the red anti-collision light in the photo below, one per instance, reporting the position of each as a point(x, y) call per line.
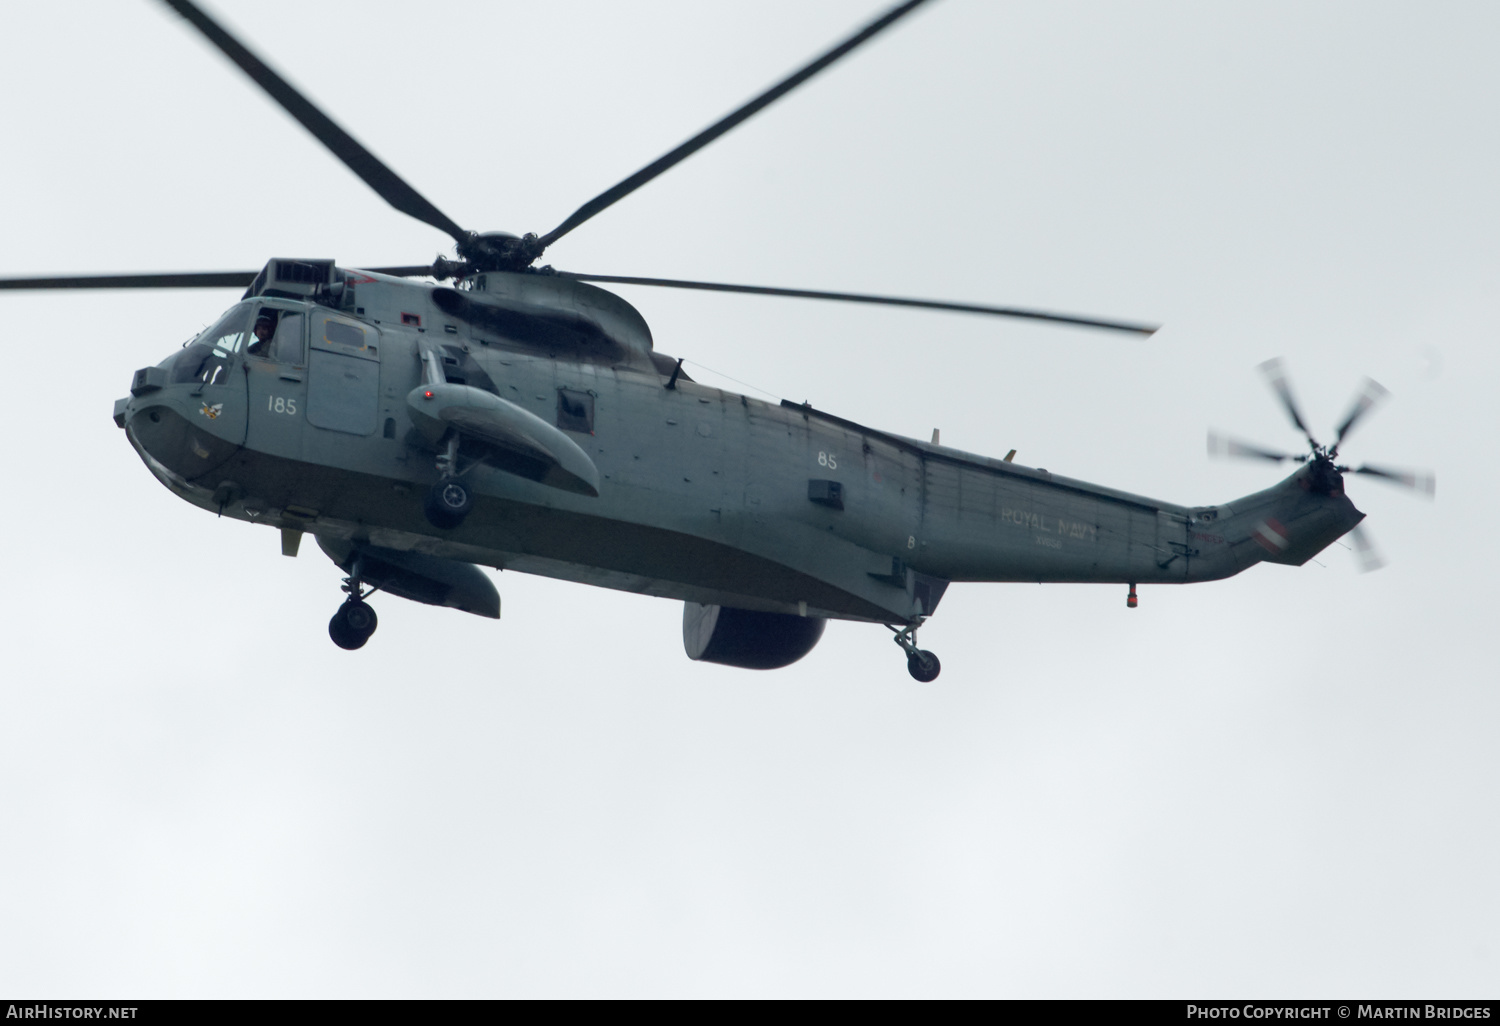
point(426, 395)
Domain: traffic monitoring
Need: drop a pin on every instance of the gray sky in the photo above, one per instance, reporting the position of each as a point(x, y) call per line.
point(1277, 785)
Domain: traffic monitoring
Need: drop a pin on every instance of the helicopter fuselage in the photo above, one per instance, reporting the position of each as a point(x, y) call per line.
point(702, 495)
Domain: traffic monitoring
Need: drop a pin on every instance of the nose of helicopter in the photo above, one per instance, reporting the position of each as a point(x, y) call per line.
point(175, 428)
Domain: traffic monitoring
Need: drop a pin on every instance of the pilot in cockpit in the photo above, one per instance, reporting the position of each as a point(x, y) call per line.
point(265, 328)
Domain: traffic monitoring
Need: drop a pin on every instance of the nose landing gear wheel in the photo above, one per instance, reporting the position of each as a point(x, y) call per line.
point(352, 625)
point(447, 504)
point(923, 666)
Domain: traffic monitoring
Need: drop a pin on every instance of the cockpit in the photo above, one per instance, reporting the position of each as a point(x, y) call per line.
point(207, 358)
point(266, 332)
point(277, 335)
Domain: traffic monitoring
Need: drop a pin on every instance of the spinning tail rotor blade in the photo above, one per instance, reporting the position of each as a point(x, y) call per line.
point(618, 192)
point(1276, 377)
point(182, 280)
point(1371, 394)
point(391, 187)
point(1364, 550)
point(1223, 445)
point(860, 297)
point(1324, 476)
point(1423, 482)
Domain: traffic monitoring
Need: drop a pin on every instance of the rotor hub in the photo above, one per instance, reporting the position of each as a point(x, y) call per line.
point(499, 251)
point(1323, 478)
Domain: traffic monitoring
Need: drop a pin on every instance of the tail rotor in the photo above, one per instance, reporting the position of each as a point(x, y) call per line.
point(1327, 475)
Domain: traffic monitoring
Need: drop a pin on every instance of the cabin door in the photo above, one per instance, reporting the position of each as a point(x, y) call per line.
point(343, 375)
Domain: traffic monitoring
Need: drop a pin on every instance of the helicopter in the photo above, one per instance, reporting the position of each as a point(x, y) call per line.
point(520, 418)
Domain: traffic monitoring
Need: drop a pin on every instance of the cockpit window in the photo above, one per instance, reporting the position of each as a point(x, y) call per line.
point(287, 345)
point(276, 335)
point(208, 357)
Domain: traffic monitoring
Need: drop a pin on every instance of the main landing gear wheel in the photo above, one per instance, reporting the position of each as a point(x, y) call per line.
point(355, 621)
point(920, 663)
point(448, 502)
point(353, 624)
point(923, 666)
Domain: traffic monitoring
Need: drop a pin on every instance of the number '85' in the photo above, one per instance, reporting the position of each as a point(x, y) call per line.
point(829, 460)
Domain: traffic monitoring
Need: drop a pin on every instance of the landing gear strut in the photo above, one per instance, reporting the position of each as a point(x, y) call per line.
point(450, 500)
point(920, 663)
point(355, 620)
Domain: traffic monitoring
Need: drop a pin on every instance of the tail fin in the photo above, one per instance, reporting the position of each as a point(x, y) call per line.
point(1288, 523)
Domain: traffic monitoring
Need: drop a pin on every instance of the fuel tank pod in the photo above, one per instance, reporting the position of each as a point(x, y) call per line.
point(509, 438)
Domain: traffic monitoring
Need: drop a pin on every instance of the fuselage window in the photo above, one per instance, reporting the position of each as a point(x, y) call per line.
point(575, 411)
point(344, 334)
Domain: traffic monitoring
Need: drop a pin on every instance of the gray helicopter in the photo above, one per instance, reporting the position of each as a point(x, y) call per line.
point(423, 421)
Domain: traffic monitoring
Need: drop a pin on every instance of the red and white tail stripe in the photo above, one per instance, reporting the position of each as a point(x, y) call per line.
point(1271, 535)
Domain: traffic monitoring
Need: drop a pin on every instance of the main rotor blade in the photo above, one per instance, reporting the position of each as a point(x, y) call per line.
point(1371, 393)
point(1223, 445)
point(391, 187)
point(1365, 549)
point(1422, 481)
point(183, 280)
point(178, 279)
point(860, 297)
point(1276, 376)
point(718, 128)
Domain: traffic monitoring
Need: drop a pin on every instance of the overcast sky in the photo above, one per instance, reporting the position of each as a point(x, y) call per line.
point(1282, 784)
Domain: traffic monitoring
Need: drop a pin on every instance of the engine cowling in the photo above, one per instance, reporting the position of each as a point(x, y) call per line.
point(747, 638)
